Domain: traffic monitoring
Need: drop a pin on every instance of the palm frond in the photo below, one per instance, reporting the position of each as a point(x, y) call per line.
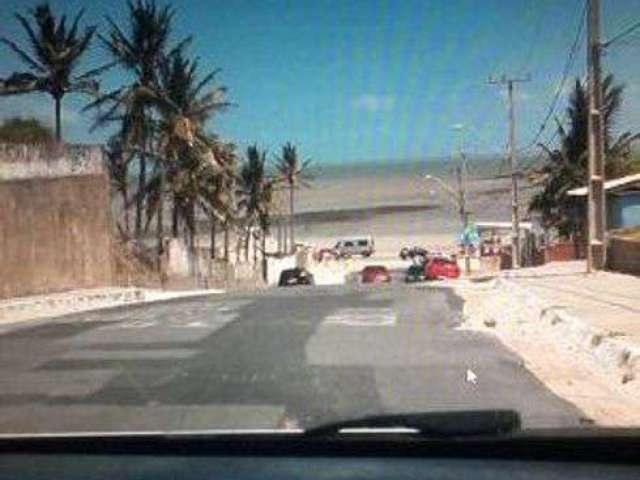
point(24, 56)
point(95, 72)
point(36, 44)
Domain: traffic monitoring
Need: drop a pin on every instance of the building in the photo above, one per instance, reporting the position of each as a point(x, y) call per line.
point(623, 201)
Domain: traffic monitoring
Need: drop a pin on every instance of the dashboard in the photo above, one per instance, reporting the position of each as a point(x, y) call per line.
point(284, 457)
point(91, 467)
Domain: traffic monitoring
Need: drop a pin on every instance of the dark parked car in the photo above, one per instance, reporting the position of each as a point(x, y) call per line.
point(375, 274)
point(415, 273)
point(295, 276)
point(413, 252)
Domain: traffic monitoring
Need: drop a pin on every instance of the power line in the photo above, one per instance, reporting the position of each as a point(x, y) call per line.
point(538, 157)
point(565, 74)
point(621, 35)
point(536, 36)
point(550, 140)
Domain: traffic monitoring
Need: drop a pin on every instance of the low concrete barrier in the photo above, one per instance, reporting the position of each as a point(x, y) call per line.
point(623, 255)
point(511, 304)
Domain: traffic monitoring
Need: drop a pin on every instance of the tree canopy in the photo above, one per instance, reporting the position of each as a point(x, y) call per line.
point(25, 130)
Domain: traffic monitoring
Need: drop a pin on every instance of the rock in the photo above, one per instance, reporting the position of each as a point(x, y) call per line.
point(627, 377)
point(490, 322)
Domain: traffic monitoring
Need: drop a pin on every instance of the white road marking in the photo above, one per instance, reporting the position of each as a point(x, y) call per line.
point(362, 317)
point(195, 324)
point(137, 324)
point(471, 377)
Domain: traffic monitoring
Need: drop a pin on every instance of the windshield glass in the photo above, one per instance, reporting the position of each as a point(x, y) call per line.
point(279, 215)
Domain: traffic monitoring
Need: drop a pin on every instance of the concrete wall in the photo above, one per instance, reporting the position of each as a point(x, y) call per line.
point(37, 161)
point(55, 231)
point(623, 254)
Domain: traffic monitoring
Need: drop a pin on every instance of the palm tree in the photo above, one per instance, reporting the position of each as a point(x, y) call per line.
point(255, 193)
point(185, 107)
point(567, 166)
point(222, 192)
point(139, 51)
point(52, 57)
point(293, 173)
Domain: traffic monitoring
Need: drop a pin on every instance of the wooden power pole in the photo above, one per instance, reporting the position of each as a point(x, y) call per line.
point(515, 209)
point(596, 250)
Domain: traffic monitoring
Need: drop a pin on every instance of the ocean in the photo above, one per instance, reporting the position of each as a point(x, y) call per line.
point(392, 199)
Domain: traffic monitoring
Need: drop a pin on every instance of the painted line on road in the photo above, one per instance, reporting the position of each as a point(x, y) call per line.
point(362, 317)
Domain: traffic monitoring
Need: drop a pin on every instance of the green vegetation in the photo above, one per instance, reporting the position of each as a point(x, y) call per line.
point(52, 55)
point(28, 130)
point(566, 166)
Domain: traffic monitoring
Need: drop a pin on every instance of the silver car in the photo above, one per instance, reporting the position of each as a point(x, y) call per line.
point(355, 246)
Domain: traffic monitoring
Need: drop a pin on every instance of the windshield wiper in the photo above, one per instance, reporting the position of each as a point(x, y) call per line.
point(435, 424)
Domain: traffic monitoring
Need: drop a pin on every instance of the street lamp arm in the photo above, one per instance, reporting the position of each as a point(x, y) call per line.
point(445, 187)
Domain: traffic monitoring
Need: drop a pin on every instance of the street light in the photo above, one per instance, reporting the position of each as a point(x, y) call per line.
point(457, 197)
point(460, 201)
point(445, 186)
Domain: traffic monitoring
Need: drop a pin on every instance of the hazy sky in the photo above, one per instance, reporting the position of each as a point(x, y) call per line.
point(355, 80)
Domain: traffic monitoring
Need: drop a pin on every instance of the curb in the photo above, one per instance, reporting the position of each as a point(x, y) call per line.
point(57, 305)
point(610, 352)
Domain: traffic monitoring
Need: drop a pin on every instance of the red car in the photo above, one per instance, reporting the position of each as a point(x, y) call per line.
point(375, 274)
point(437, 268)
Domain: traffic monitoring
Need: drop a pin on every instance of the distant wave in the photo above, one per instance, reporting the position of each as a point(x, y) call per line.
point(358, 214)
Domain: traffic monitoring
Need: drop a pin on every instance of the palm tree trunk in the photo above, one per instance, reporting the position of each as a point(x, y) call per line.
point(246, 246)
point(255, 249)
point(238, 247)
point(226, 242)
point(193, 250)
point(264, 256)
point(213, 238)
point(125, 200)
point(291, 213)
point(160, 217)
point(58, 109)
point(142, 181)
point(174, 217)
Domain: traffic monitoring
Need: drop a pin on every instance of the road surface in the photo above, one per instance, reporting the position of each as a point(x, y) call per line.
point(282, 358)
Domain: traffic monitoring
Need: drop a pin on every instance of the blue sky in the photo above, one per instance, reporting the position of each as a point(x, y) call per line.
point(354, 80)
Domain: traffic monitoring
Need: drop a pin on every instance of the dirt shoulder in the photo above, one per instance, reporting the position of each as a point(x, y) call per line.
point(595, 369)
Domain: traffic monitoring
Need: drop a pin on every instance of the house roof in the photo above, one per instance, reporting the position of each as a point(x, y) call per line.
point(501, 225)
point(609, 185)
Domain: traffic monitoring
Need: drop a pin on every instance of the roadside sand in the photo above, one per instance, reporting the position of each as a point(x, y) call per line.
point(559, 353)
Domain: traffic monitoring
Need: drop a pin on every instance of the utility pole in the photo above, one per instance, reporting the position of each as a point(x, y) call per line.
point(596, 250)
point(515, 211)
point(462, 196)
point(461, 171)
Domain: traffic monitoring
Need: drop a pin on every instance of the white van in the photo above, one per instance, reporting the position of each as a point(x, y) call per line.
point(347, 247)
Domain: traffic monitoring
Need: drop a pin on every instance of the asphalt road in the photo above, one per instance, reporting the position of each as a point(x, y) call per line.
point(282, 358)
